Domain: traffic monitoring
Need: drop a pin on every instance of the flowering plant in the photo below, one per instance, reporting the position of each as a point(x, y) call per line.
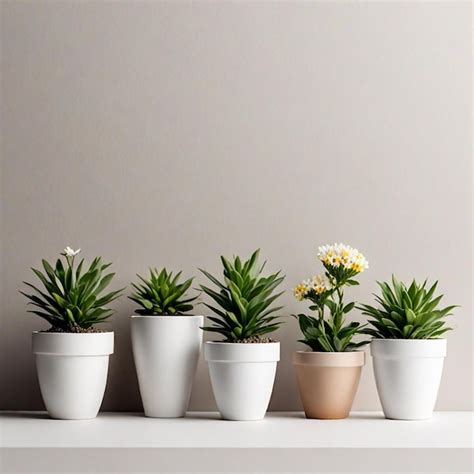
point(73, 301)
point(331, 334)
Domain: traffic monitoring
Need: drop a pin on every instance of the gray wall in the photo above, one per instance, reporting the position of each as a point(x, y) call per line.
point(163, 133)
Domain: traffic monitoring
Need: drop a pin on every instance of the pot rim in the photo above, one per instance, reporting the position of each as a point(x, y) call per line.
point(408, 340)
point(232, 352)
point(73, 344)
point(350, 359)
point(408, 348)
point(73, 333)
point(166, 316)
point(248, 344)
point(324, 352)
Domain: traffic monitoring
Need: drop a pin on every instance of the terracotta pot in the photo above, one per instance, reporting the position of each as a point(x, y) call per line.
point(328, 382)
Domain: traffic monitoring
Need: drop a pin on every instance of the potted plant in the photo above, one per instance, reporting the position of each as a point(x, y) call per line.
point(243, 365)
point(166, 343)
point(72, 357)
point(407, 350)
point(328, 375)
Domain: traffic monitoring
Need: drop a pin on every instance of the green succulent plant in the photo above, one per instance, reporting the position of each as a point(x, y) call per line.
point(73, 300)
point(407, 312)
point(244, 300)
point(162, 294)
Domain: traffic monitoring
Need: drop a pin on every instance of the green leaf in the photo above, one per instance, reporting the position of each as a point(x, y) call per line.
point(411, 316)
point(70, 316)
point(104, 282)
point(348, 307)
point(146, 304)
point(407, 330)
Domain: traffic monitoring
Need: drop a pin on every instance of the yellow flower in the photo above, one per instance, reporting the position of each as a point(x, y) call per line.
point(320, 284)
point(300, 291)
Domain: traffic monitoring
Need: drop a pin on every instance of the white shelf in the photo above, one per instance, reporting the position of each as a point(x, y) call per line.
point(201, 442)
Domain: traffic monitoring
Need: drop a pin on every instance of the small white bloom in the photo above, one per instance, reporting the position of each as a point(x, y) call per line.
point(301, 290)
point(69, 252)
point(341, 254)
point(320, 284)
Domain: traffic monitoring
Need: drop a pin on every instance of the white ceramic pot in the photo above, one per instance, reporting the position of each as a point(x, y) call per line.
point(407, 375)
point(166, 352)
point(72, 372)
point(242, 377)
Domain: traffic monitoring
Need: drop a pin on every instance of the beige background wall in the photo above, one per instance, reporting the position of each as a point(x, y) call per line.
point(162, 133)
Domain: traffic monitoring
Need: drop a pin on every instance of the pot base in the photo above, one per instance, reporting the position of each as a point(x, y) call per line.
point(166, 416)
point(423, 418)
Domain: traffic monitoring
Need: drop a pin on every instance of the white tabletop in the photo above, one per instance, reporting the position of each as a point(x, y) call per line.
point(202, 442)
point(207, 430)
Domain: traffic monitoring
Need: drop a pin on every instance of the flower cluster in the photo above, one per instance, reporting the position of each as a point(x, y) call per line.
point(69, 252)
point(319, 284)
point(338, 255)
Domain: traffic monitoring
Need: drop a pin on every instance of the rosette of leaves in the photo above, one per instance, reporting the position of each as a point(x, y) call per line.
point(333, 333)
point(407, 312)
point(74, 298)
point(162, 294)
point(243, 300)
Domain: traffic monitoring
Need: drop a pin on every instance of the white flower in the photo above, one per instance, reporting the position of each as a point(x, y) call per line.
point(69, 252)
point(301, 290)
point(340, 254)
point(320, 284)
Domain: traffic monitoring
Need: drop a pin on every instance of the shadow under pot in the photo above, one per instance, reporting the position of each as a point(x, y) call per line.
point(242, 377)
point(328, 382)
point(407, 374)
point(166, 352)
point(72, 372)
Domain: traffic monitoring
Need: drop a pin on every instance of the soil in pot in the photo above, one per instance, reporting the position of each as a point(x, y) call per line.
point(74, 330)
point(251, 340)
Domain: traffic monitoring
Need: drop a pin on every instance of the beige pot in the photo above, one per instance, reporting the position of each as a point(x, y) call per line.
point(328, 382)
